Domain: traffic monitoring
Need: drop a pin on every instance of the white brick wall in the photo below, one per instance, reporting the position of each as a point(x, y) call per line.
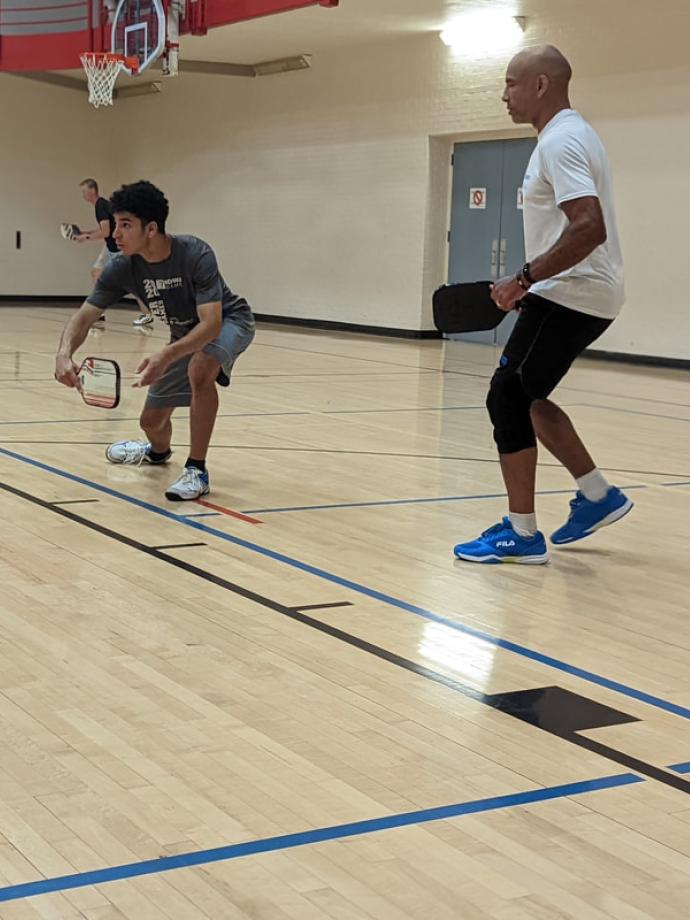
point(325, 192)
point(48, 147)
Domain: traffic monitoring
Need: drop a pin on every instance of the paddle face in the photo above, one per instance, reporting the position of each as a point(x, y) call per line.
point(99, 379)
point(466, 307)
point(69, 231)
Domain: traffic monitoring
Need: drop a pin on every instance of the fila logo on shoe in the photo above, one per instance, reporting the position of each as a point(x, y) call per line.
point(506, 544)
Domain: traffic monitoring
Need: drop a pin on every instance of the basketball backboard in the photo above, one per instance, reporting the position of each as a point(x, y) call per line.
point(138, 30)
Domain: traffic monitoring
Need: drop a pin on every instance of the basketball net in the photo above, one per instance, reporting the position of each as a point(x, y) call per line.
point(102, 70)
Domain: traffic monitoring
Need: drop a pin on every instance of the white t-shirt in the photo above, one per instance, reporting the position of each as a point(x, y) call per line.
point(570, 162)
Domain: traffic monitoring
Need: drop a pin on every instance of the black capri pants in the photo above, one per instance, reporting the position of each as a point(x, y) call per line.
point(543, 345)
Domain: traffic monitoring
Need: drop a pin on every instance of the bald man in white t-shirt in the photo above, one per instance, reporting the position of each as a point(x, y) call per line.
point(568, 293)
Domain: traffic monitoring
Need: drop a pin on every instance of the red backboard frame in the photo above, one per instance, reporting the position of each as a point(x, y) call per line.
point(224, 12)
point(60, 50)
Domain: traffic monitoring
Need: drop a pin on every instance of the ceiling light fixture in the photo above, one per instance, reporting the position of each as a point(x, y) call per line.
point(483, 32)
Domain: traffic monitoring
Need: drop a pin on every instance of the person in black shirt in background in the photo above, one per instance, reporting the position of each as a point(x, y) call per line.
point(104, 231)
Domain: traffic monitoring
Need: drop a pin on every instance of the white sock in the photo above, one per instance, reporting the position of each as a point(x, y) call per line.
point(524, 524)
point(593, 486)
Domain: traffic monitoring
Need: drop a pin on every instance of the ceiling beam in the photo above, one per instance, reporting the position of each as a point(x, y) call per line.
point(261, 69)
point(144, 88)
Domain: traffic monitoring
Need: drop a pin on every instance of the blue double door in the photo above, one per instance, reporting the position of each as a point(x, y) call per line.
point(486, 233)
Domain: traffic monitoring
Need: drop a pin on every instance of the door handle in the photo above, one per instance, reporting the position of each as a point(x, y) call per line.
point(502, 258)
point(494, 258)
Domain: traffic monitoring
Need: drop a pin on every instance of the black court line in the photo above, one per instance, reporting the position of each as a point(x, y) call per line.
point(672, 418)
point(108, 328)
point(178, 545)
point(76, 501)
point(353, 453)
point(436, 370)
point(66, 421)
point(499, 702)
point(135, 418)
point(565, 714)
point(323, 606)
point(136, 332)
point(22, 380)
point(416, 370)
point(328, 354)
point(649, 399)
point(445, 370)
point(19, 379)
point(411, 373)
point(385, 411)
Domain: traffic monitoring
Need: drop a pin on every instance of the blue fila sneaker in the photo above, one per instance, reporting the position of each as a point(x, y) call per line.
point(586, 516)
point(501, 543)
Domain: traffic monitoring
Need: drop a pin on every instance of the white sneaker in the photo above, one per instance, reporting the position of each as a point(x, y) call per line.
point(146, 319)
point(191, 484)
point(132, 452)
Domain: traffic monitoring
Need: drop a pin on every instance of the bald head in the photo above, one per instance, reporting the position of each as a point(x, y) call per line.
point(546, 60)
point(537, 83)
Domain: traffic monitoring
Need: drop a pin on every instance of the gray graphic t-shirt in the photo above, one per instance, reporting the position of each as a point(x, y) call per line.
point(174, 288)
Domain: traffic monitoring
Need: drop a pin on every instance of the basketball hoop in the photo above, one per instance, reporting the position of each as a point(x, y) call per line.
point(101, 70)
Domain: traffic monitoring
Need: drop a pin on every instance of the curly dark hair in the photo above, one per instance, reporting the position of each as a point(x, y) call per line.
point(143, 200)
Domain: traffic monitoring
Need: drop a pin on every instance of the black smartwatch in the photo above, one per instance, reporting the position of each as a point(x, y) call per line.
point(527, 275)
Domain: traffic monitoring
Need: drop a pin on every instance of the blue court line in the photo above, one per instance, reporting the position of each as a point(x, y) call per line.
point(306, 838)
point(398, 501)
point(372, 593)
point(427, 501)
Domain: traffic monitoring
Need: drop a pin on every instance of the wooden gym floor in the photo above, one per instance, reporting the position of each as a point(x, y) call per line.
point(291, 703)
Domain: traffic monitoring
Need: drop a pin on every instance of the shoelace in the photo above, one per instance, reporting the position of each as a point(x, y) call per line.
point(135, 451)
point(497, 528)
point(576, 502)
point(190, 477)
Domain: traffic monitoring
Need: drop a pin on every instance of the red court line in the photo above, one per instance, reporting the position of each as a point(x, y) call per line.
point(235, 514)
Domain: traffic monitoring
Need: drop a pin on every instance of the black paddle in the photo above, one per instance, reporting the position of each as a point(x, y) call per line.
point(466, 307)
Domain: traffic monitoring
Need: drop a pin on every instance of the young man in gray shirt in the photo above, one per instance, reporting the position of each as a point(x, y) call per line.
point(178, 278)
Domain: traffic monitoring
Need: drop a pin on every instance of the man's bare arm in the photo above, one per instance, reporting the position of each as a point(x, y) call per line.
point(585, 231)
point(101, 233)
point(73, 335)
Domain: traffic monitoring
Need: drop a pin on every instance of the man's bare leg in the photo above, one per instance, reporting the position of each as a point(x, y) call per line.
point(157, 426)
point(519, 474)
point(557, 433)
point(203, 371)
point(194, 482)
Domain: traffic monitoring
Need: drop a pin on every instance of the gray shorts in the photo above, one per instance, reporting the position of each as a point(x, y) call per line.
point(174, 390)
